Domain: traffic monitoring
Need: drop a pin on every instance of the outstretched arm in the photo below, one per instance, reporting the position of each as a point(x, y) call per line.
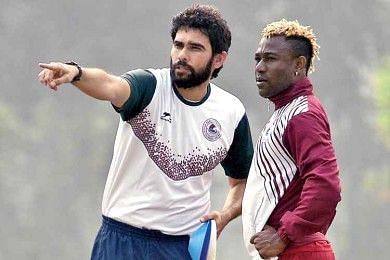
point(94, 82)
point(232, 206)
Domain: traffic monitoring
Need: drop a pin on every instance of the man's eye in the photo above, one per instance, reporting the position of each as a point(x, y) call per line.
point(177, 45)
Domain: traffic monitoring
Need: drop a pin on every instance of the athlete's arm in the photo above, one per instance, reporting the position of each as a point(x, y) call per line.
point(307, 137)
point(236, 165)
point(94, 82)
point(232, 206)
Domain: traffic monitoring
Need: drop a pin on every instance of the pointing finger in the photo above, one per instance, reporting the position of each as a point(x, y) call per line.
point(50, 66)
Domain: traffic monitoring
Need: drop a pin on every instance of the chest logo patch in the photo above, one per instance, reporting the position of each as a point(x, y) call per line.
point(211, 129)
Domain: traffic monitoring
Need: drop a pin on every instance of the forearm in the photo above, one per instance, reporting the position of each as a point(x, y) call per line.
point(232, 206)
point(94, 82)
point(307, 138)
point(101, 85)
point(315, 210)
point(233, 203)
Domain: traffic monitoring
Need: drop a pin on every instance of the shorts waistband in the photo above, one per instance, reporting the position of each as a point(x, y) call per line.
point(316, 246)
point(143, 232)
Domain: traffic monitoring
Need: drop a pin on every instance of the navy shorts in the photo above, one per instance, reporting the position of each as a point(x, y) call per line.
point(120, 241)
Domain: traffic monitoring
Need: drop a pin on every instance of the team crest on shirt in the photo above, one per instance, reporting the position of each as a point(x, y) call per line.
point(211, 129)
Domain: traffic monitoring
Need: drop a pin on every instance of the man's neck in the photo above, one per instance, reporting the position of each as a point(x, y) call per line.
point(194, 94)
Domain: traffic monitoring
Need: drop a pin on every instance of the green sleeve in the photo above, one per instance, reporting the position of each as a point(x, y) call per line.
point(239, 158)
point(142, 84)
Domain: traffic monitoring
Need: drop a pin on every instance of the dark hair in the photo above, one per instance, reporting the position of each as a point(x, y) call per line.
point(301, 46)
point(208, 20)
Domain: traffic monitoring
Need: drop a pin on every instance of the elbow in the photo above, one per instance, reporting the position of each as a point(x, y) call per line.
point(334, 190)
point(331, 193)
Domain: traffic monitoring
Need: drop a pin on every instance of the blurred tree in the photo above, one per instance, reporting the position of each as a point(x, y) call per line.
point(376, 181)
point(37, 164)
point(382, 100)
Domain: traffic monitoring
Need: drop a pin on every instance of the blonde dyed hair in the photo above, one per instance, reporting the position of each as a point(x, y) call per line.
point(293, 29)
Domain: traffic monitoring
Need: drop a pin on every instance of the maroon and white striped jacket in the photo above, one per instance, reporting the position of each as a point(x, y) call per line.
point(294, 183)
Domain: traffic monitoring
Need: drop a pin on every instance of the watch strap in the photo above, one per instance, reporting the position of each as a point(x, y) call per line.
point(78, 76)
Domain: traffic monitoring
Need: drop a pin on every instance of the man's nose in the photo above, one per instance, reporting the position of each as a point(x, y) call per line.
point(183, 55)
point(260, 66)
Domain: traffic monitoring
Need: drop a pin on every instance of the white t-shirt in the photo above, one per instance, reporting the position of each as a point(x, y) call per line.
point(165, 150)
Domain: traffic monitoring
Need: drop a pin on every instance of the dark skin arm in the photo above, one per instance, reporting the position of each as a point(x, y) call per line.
point(268, 243)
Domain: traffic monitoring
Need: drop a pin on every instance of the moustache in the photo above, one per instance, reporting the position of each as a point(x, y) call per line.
point(182, 64)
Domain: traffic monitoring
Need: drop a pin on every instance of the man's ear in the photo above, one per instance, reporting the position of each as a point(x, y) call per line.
point(300, 63)
point(219, 59)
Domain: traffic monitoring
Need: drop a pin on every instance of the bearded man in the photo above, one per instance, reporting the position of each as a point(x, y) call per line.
point(175, 128)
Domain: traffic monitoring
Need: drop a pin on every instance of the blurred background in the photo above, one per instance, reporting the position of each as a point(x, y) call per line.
point(56, 147)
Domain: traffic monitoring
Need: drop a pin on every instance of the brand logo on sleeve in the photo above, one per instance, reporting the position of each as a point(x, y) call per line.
point(211, 129)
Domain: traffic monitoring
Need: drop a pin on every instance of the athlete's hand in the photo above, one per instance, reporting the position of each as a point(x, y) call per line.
point(220, 220)
point(56, 73)
point(268, 243)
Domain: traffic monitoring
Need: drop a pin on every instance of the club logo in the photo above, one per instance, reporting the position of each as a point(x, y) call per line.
point(211, 129)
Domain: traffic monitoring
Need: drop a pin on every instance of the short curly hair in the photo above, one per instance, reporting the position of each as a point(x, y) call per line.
point(208, 20)
point(303, 40)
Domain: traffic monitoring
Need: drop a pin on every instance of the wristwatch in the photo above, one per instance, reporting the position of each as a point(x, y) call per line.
point(78, 76)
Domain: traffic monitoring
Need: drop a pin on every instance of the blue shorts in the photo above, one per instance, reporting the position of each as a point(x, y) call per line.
point(120, 241)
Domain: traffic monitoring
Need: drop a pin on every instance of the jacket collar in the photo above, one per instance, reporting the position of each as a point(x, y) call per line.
point(300, 88)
